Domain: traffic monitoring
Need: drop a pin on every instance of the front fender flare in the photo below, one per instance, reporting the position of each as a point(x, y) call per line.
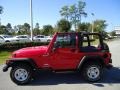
point(12, 62)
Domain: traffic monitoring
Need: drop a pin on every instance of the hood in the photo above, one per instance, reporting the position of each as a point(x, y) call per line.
point(31, 51)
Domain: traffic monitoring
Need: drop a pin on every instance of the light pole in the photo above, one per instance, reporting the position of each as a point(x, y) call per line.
point(31, 20)
point(92, 25)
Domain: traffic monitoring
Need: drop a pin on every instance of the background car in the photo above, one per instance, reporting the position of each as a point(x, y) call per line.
point(7, 38)
point(19, 38)
point(22, 38)
point(1, 40)
point(42, 38)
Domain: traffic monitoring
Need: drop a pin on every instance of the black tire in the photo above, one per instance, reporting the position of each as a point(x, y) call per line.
point(48, 40)
point(92, 71)
point(24, 68)
point(39, 40)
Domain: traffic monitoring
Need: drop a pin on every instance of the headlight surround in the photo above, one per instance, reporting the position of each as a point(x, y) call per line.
point(14, 55)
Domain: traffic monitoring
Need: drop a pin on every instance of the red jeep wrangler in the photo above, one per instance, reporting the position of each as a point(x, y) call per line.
point(66, 52)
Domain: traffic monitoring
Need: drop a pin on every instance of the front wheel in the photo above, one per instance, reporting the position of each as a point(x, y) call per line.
point(21, 74)
point(92, 72)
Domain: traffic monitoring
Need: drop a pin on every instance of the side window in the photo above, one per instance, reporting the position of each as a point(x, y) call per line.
point(18, 37)
point(67, 40)
point(24, 36)
point(37, 36)
point(89, 40)
point(85, 41)
point(41, 36)
point(95, 41)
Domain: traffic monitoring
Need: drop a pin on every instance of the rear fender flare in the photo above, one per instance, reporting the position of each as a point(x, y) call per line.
point(90, 58)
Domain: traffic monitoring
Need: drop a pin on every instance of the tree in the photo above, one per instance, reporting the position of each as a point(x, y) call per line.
point(37, 26)
point(99, 25)
point(104, 34)
point(81, 12)
point(113, 33)
point(15, 29)
point(23, 29)
point(9, 28)
point(26, 28)
point(47, 30)
point(3, 30)
point(74, 13)
point(64, 25)
point(84, 27)
point(36, 30)
point(19, 29)
point(1, 11)
point(65, 12)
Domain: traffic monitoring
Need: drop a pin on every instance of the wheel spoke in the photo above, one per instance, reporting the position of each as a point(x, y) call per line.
point(93, 72)
point(21, 74)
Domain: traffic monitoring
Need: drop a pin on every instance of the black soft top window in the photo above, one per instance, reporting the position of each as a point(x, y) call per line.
point(89, 42)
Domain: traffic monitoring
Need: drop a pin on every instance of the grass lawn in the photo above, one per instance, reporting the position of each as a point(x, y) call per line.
point(4, 55)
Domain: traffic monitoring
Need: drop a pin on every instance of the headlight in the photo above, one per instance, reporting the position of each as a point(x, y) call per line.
point(14, 55)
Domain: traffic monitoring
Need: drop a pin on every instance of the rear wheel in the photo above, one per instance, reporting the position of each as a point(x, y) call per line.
point(92, 72)
point(21, 74)
point(48, 40)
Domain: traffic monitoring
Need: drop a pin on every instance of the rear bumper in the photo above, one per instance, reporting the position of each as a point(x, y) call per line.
point(109, 66)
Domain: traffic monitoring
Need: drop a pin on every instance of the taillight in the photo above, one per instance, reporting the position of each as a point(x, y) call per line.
point(110, 55)
point(105, 55)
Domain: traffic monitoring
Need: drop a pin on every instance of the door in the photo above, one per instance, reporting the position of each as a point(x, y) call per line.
point(42, 38)
point(64, 54)
point(23, 39)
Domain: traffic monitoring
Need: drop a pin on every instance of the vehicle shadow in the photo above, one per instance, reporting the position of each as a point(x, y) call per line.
point(110, 77)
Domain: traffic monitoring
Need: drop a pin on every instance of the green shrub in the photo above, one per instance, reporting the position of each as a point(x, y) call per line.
point(14, 46)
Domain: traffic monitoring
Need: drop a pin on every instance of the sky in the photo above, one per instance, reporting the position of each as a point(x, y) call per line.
point(47, 11)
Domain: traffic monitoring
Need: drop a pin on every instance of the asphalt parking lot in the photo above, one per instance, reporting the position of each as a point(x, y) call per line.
point(70, 81)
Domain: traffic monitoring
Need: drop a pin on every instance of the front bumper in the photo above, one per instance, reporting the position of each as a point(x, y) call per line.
point(5, 68)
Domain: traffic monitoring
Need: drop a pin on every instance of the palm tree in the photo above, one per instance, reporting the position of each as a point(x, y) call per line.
point(1, 11)
point(81, 12)
point(65, 12)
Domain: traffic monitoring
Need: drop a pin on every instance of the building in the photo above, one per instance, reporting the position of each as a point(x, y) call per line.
point(117, 30)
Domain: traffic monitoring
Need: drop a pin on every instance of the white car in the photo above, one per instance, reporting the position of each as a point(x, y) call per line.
point(42, 38)
point(7, 38)
point(19, 38)
point(22, 38)
point(2, 40)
